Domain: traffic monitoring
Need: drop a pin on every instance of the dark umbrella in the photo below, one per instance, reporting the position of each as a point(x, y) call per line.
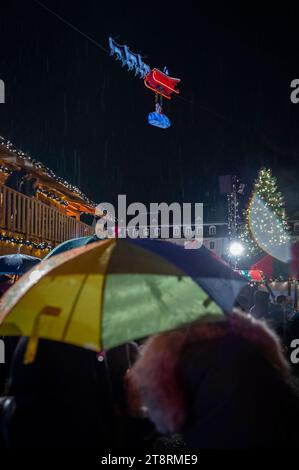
point(17, 264)
point(70, 244)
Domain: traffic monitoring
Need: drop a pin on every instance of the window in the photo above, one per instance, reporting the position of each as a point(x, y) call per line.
point(212, 230)
point(212, 245)
point(296, 227)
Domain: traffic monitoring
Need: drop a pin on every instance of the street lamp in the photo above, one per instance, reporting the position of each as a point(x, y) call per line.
point(236, 248)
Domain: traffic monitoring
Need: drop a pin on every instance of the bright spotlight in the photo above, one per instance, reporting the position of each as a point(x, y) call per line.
point(236, 248)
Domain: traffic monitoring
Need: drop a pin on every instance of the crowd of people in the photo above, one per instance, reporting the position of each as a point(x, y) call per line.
point(220, 382)
point(279, 314)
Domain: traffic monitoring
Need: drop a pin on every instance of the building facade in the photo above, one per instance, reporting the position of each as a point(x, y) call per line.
point(215, 237)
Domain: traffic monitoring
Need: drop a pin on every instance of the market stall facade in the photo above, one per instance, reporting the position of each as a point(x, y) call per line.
point(37, 222)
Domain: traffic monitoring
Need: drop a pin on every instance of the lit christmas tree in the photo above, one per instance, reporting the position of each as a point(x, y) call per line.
point(266, 227)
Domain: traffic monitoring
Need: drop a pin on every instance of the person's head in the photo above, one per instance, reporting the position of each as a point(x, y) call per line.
point(21, 172)
point(261, 298)
point(202, 371)
point(242, 303)
point(281, 300)
point(5, 278)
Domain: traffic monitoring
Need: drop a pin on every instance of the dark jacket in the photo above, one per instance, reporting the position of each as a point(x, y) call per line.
point(260, 308)
point(62, 400)
point(13, 180)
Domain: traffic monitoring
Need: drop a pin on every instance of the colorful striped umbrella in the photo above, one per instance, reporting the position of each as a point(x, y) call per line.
point(109, 292)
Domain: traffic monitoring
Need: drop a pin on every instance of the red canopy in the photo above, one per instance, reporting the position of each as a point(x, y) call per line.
point(273, 268)
point(265, 264)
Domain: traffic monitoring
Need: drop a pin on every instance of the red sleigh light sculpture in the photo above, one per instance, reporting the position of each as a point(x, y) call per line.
point(158, 82)
point(161, 83)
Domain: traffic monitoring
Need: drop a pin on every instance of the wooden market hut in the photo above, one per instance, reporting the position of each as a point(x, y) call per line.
point(35, 224)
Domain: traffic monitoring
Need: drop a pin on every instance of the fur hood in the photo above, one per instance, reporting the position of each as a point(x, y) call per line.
point(155, 374)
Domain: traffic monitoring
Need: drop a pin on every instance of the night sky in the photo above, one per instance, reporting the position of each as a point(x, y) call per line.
point(69, 104)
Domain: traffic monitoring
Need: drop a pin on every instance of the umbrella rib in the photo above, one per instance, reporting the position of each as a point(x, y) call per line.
point(101, 316)
point(73, 307)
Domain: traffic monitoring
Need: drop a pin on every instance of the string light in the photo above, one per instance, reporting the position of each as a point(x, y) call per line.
point(5, 170)
point(7, 239)
point(40, 166)
point(52, 196)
